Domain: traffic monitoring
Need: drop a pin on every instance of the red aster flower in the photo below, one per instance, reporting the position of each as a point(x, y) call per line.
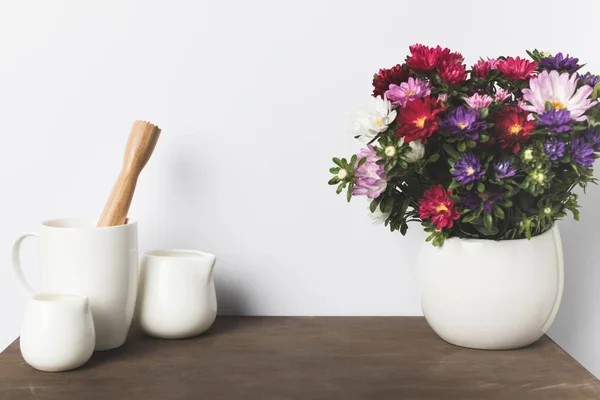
point(385, 77)
point(516, 69)
point(481, 69)
point(419, 119)
point(511, 128)
point(436, 205)
point(448, 56)
point(452, 72)
point(424, 58)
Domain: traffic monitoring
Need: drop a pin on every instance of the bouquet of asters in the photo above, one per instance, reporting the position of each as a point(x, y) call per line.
point(494, 152)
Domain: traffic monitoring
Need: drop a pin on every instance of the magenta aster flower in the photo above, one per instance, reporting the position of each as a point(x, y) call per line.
point(370, 179)
point(478, 101)
point(468, 169)
point(414, 88)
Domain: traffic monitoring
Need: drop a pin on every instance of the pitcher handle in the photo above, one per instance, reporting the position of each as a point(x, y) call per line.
point(16, 263)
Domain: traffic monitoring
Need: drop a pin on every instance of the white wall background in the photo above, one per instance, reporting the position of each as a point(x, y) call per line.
point(253, 98)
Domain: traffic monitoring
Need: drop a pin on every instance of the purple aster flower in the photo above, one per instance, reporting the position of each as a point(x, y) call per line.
point(589, 79)
point(415, 88)
point(581, 152)
point(558, 121)
point(485, 200)
point(468, 169)
point(560, 63)
point(592, 136)
point(554, 149)
point(464, 122)
point(503, 169)
point(370, 179)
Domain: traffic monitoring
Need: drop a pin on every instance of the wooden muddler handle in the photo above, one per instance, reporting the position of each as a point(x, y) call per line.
point(140, 145)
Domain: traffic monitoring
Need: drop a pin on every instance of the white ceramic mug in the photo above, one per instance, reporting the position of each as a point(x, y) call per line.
point(78, 258)
point(57, 333)
point(176, 295)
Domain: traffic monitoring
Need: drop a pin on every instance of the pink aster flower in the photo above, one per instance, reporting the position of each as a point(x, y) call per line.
point(370, 178)
point(478, 101)
point(501, 95)
point(415, 88)
point(443, 97)
point(561, 91)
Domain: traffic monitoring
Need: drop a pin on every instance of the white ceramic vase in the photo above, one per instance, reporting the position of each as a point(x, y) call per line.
point(492, 295)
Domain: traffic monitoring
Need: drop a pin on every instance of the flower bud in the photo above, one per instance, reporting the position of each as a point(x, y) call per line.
point(390, 151)
point(342, 174)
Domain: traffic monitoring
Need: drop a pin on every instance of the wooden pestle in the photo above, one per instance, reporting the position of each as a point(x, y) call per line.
point(140, 145)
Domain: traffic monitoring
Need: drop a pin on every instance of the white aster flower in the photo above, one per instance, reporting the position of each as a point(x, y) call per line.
point(417, 151)
point(373, 119)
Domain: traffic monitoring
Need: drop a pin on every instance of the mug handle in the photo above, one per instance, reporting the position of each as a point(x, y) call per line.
point(16, 263)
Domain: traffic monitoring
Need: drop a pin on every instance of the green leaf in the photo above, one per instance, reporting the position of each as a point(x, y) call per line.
point(453, 185)
point(450, 150)
point(337, 162)
point(403, 229)
point(484, 113)
point(349, 194)
point(404, 206)
point(375, 203)
point(433, 158)
point(340, 188)
point(353, 160)
point(488, 222)
point(461, 146)
point(430, 237)
point(334, 180)
point(469, 186)
point(469, 219)
point(361, 162)
point(483, 138)
point(334, 170)
point(480, 187)
point(596, 92)
point(498, 212)
point(387, 204)
point(471, 143)
point(486, 232)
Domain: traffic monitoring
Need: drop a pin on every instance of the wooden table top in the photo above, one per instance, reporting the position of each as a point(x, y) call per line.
point(307, 358)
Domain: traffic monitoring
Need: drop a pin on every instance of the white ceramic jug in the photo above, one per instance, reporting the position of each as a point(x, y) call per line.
point(57, 333)
point(176, 293)
point(101, 264)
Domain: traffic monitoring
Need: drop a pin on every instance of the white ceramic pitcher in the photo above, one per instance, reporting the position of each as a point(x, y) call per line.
point(78, 258)
point(176, 296)
point(57, 333)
